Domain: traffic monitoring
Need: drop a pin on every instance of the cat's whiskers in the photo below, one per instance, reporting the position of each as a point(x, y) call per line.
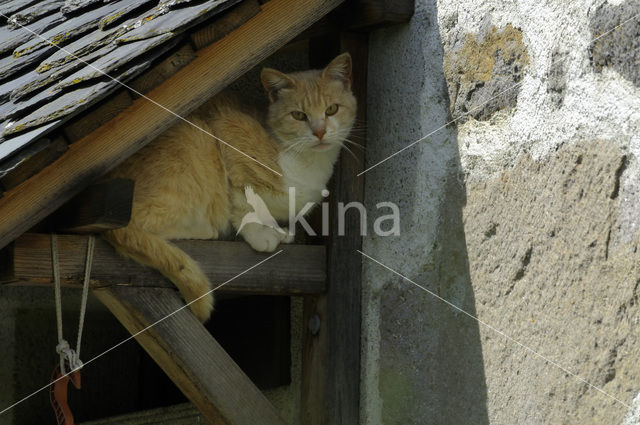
point(354, 143)
point(293, 145)
point(351, 152)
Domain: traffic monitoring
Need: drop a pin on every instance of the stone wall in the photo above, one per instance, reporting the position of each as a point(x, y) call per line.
point(519, 220)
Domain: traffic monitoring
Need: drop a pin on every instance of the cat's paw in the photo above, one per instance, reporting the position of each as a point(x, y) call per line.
point(203, 308)
point(262, 238)
point(286, 237)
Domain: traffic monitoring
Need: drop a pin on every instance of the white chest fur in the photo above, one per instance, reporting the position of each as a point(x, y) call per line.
point(308, 173)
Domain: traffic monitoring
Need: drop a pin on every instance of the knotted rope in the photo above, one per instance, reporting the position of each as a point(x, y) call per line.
point(63, 348)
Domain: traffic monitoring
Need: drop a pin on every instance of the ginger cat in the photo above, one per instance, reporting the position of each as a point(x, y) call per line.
point(190, 186)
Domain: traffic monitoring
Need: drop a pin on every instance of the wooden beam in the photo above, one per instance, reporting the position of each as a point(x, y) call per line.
point(102, 206)
point(300, 269)
point(189, 355)
point(215, 67)
point(331, 353)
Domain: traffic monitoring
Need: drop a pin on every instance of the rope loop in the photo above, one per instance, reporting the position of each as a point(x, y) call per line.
point(70, 355)
point(66, 353)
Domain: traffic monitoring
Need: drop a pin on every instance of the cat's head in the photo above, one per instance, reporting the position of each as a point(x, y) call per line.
point(311, 110)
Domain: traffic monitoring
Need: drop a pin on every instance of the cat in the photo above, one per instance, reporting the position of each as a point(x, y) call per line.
point(190, 186)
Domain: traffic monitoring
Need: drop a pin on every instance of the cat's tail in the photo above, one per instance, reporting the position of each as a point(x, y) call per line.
point(154, 251)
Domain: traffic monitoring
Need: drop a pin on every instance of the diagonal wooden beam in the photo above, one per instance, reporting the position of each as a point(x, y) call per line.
point(190, 356)
point(215, 67)
point(298, 270)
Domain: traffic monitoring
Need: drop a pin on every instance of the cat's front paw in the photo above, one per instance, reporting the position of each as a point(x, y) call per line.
point(286, 237)
point(261, 238)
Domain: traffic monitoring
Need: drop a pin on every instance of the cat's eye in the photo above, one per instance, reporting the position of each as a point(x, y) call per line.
point(331, 109)
point(299, 115)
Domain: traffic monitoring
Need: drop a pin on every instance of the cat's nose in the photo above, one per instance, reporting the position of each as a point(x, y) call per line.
point(319, 133)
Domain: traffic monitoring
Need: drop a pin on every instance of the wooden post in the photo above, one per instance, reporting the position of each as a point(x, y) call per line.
point(331, 353)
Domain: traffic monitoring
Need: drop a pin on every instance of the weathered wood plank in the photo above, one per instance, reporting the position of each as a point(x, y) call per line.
point(189, 355)
point(215, 67)
point(299, 269)
point(333, 396)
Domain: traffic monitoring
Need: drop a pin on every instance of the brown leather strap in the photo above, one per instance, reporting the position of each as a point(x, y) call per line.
point(59, 397)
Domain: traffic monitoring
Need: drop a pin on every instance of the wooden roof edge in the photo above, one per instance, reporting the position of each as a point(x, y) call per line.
point(216, 66)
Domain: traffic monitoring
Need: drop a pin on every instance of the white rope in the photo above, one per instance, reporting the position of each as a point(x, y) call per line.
point(63, 348)
point(85, 290)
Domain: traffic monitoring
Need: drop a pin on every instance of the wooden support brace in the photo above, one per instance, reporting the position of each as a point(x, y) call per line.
point(298, 270)
point(189, 355)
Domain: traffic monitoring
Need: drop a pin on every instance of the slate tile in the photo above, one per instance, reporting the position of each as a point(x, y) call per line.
point(74, 7)
point(174, 4)
point(64, 86)
point(125, 12)
point(116, 59)
point(60, 103)
point(66, 106)
point(67, 30)
point(5, 109)
point(79, 48)
point(33, 13)
point(10, 85)
point(13, 145)
point(175, 20)
point(19, 109)
point(10, 66)
point(10, 7)
point(53, 75)
point(12, 38)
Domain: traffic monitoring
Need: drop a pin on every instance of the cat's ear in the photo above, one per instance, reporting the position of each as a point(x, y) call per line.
point(339, 69)
point(273, 81)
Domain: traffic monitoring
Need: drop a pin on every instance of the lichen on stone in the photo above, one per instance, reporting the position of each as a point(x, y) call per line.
point(481, 71)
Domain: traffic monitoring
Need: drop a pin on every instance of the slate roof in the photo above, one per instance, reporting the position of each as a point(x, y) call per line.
point(54, 55)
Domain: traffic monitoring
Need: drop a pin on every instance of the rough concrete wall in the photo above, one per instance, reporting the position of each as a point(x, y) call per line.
point(524, 214)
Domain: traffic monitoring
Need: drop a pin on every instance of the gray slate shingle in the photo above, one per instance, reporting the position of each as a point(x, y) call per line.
point(42, 86)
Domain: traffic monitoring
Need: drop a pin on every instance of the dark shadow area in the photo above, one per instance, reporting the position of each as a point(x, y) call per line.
point(431, 368)
point(459, 362)
point(254, 331)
